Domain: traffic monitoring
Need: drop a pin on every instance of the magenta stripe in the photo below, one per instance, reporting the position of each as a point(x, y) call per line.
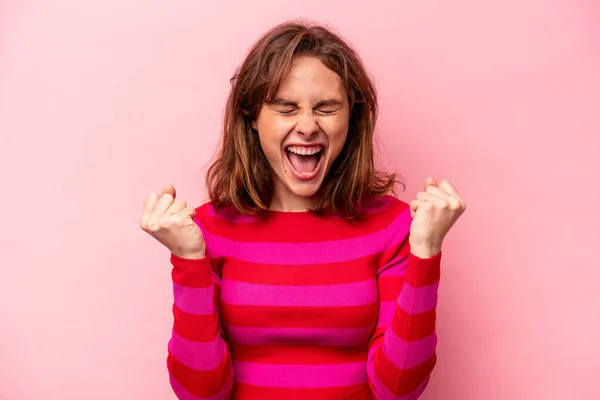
point(382, 393)
point(183, 394)
point(387, 309)
point(197, 355)
point(298, 253)
point(199, 301)
point(398, 230)
point(316, 252)
point(340, 295)
point(300, 376)
point(416, 300)
point(323, 336)
point(405, 355)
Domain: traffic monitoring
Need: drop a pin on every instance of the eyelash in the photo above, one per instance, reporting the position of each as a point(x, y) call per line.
point(326, 112)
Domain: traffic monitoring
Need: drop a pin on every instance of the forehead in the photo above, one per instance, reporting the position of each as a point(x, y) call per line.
point(309, 79)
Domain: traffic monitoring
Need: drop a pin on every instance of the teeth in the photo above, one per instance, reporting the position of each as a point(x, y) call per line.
point(305, 151)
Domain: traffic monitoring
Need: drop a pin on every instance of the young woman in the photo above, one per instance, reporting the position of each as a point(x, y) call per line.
point(302, 278)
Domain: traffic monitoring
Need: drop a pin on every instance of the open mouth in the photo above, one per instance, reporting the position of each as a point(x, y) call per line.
point(305, 161)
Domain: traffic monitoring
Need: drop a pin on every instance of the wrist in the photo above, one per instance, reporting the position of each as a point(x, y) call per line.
point(195, 255)
point(425, 250)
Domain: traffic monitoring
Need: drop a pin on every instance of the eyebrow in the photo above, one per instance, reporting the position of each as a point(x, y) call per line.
point(322, 103)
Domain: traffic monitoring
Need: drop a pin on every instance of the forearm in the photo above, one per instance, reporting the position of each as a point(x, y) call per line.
point(199, 362)
point(401, 360)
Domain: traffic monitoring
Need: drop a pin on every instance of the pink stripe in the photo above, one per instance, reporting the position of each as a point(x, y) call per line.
point(298, 253)
point(405, 355)
point(199, 301)
point(387, 309)
point(197, 355)
point(322, 336)
point(418, 300)
point(183, 394)
point(382, 393)
point(300, 376)
point(340, 295)
point(398, 230)
point(308, 253)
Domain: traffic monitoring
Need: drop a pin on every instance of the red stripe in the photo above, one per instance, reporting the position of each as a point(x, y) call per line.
point(313, 274)
point(402, 382)
point(191, 273)
point(299, 317)
point(423, 272)
point(395, 208)
point(198, 328)
point(200, 383)
point(395, 253)
point(267, 230)
point(415, 326)
point(390, 287)
point(298, 354)
point(250, 392)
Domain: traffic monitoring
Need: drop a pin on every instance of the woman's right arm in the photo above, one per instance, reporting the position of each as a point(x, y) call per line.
point(199, 361)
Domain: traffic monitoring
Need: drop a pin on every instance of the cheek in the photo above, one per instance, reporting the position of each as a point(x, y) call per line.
point(338, 132)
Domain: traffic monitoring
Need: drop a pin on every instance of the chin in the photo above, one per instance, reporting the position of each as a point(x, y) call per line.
point(304, 189)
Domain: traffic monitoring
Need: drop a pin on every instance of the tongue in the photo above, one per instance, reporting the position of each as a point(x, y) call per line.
point(301, 163)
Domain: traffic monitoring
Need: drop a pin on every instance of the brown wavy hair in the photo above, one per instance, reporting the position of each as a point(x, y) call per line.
point(241, 175)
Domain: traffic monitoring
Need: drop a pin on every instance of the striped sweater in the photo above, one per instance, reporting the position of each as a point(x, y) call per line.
point(297, 306)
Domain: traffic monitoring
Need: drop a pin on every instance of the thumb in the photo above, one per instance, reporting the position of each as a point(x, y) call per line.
point(430, 182)
point(170, 189)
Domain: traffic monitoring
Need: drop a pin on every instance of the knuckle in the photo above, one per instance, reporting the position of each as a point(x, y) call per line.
point(153, 226)
point(454, 204)
point(165, 222)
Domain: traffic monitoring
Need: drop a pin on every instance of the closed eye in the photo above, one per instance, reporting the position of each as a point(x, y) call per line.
point(288, 111)
point(327, 112)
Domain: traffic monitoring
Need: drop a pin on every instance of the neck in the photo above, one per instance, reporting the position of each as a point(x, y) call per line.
point(286, 201)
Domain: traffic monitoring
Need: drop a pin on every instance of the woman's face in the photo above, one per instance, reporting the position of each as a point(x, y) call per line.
point(303, 131)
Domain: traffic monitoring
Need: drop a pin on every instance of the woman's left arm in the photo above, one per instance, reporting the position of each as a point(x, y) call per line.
point(402, 352)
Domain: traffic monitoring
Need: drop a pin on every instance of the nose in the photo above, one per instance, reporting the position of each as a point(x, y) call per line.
point(307, 125)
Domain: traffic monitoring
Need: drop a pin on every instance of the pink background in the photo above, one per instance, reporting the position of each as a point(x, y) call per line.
point(102, 102)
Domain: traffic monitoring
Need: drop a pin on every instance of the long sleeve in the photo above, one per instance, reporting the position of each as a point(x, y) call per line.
point(402, 350)
point(199, 361)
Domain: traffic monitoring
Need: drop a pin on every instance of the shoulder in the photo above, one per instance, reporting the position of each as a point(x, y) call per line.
point(388, 205)
point(396, 218)
point(208, 215)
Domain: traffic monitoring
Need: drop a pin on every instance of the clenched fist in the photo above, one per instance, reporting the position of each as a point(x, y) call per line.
point(171, 222)
point(434, 212)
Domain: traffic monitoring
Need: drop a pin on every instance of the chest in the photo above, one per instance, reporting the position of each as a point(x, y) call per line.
point(320, 303)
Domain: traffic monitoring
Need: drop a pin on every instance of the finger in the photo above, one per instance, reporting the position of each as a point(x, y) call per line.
point(434, 198)
point(414, 204)
point(162, 206)
point(170, 189)
point(190, 211)
point(149, 205)
point(449, 188)
point(185, 214)
point(430, 182)
point(177, 206)
point(437, 191)
point(150, 202)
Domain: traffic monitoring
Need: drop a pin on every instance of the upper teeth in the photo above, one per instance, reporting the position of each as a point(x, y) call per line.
point(305, 151)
